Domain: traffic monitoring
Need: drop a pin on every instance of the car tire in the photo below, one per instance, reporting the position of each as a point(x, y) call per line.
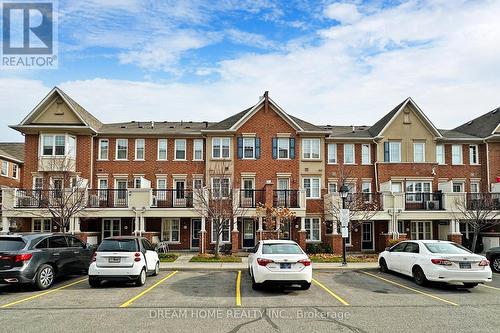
point(157, 269)
point(495, 264)
point(470, 285)
point(383, 266)
point(44, 277)
point(94, 283)
point(305, 286)
point(419, 276)
point(141, 279)
point(255, 285)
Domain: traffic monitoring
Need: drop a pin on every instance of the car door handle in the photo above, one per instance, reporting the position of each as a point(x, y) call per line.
point(55, 254)
point(76, 252)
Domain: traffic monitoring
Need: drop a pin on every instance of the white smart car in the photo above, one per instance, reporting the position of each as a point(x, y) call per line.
point(280, 262)
point(127, 259)
point(435, 260)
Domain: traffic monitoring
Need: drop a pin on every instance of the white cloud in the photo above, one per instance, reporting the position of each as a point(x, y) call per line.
point(345, 13)
point(251, 39)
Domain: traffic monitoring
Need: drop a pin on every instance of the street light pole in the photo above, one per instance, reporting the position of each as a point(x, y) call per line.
point(344, 261)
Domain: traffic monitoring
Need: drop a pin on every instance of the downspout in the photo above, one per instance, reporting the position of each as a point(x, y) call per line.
point(487, 167)
point(92, 161)
point(376, 166)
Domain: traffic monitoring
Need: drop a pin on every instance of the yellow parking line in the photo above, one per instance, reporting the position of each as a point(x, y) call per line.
point(135, 298)
point(412, 289)
point(238, 291)
point(42, 293)
point(483, 285)
point(340, 299)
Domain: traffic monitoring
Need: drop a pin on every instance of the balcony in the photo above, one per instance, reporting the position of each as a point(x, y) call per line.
point(252, 198)
point(286, 198)
point(49, 198)
point(106, 198)
point(424, 201)
point(169, 198)
point(483, 201)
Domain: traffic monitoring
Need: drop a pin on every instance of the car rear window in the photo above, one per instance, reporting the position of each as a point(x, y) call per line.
point(281, 249)
point(11, 244)
point(446, 248)
point(118, 245)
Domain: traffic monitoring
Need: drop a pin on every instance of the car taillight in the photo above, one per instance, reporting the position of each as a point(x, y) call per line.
point(264, 262)
point(443, 262)
point(137, 256)
point(305, 262)
point(484, 262)
point(22, 257)
point(94, 257)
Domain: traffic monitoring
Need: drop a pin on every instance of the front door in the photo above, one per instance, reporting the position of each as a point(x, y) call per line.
point(283, 195)
point(111, 227)
point(248, 233)
point(367, 236)
point(443, 230)
point(421, 230)
point(195, 233)
point(180, 194)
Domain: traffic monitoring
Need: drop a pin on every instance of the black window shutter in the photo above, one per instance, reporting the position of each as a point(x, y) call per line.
point(275, 148)
point(386, 152)
point(257, 148)
point(240, 147)
point(292, 148)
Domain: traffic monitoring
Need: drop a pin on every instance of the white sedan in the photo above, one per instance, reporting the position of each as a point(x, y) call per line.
point(280, 262)
point(434, 260)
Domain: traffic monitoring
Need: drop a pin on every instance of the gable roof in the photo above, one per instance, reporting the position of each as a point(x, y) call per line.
point(227, 123)
point(482, 126)
point(12, 150)
point(379, 127)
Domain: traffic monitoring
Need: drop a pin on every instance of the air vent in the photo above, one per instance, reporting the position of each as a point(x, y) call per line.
point(123, 126)
point(172, 126)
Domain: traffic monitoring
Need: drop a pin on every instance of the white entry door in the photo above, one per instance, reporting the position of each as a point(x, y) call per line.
point(421, 230)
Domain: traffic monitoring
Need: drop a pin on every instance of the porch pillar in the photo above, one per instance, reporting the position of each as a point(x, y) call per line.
point(454, 232)
point(235, 225)
point(77, 225)
point(203, 235)
point(235, 237)
point(5, 224)
point(302, 224)
point(334, 227)
point(302, 233)
point(136, 224)
point(142, 223)
point(260, 223)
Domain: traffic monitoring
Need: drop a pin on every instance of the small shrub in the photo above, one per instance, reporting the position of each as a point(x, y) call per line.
point(226, 249)
point(393, 242)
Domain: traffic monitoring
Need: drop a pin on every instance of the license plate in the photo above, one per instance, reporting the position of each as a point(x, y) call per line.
point(285, 265)
point(114, 260)
point(465, 265)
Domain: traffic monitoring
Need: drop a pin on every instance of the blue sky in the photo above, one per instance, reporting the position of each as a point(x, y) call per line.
point(335, 62)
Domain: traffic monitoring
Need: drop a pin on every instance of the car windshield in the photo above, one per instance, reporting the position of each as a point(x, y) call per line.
point(446, 248)
point(118, 245)
point(11, 244)
point(281, 249)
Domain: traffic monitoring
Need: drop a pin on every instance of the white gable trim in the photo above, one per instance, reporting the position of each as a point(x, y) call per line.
point(497, 129)
point(254, 110)
point(419, 111)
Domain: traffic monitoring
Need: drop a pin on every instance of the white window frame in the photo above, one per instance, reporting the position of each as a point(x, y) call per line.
point(224, 230)
point(353, 153)
point(43, 223)
point(415, 145)
point(161, 180)
point(283, 144)
point(220, 142)
point(332, 184)
point(34, 183)
point(460, 184)
point(5, 169)
point(440, 154)
point(15, 171)
point(137, 150)
point(246, 141)
point(476, 148)
point(198, 147)
point(366, 154)
point(195, 180)
point(459, 149)
point(332, 153)
point(391, 157)
point(312, 227)
point(308, 149)
point(101, 141)
point(167, 227)
point(219, 188)
point(177, 149)
point(69, 146)
point(473, 184)
point(116, 150)
point(159, 150)
point(312, 187)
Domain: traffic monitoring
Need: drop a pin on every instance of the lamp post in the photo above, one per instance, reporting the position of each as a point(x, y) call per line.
point(343, 191)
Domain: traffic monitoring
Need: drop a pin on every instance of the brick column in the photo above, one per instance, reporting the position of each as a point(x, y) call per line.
point(203, 236)
point(457, 238)
point(302, 239)
point(337, 243)
point(235, 237)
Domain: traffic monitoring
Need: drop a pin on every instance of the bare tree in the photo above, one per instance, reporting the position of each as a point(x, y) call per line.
point(219, 204)
point(276, 218)
point(480, 211)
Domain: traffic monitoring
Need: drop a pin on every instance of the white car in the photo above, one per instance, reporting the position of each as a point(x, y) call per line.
point(280, 262)
point(434, 260)
point(127, 259)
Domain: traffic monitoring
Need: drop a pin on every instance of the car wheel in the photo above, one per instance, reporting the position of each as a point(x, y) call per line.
point(141, 279)
point(255, 285)
point(383, 266)
point(157, 269)
point(94, 283)
point(470, 284)
point(419, 276)
point(495, 264)
point(44, 277)
point(305, 286)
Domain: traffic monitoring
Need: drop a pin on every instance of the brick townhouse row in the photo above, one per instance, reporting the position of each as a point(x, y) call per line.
point(405, 177)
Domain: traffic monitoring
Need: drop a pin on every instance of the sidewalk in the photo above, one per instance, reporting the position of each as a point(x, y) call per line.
point(182, 264)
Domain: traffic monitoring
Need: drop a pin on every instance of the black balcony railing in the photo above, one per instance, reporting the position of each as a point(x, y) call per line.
point(108, 198)
point(424, 201)
point(364, 201)
point(252, 198)
point(41, 198)
point(483, 201)
point(286, 198)
point(168, 198)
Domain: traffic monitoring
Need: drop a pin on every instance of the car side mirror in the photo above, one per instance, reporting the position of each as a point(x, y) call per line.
point(388, 248)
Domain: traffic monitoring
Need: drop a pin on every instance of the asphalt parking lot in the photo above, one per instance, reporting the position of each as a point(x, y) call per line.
point(224, 301)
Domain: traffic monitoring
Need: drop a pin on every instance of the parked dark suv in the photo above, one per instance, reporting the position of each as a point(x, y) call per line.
point(39, 258)
point(493, 255)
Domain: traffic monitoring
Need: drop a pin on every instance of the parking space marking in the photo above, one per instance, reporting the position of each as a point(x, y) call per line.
point(340, 299)
point(43, 293)
point(135, 298)
point(409, 288)
point(238, 289)
point(483, 285)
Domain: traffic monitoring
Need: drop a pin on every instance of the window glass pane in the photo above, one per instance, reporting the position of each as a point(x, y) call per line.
point(248, 147)
point(59, 145)
point(225, 147)
point(348, 153)
point(180, 149)
point(139, 149)
point(216, 148)
point(104, 148)
point(48, 144)
point(122, 149)
point(394, 151)
point(440, 154)
point(365, 154)
point(332, 153)
point(283, 147)
point(198, 149)
point(57, 242)
point(456, 154)
point(419, 152)
point(162, 149)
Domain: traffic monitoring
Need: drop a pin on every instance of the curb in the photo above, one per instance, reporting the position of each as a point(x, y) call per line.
point(243, 268)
